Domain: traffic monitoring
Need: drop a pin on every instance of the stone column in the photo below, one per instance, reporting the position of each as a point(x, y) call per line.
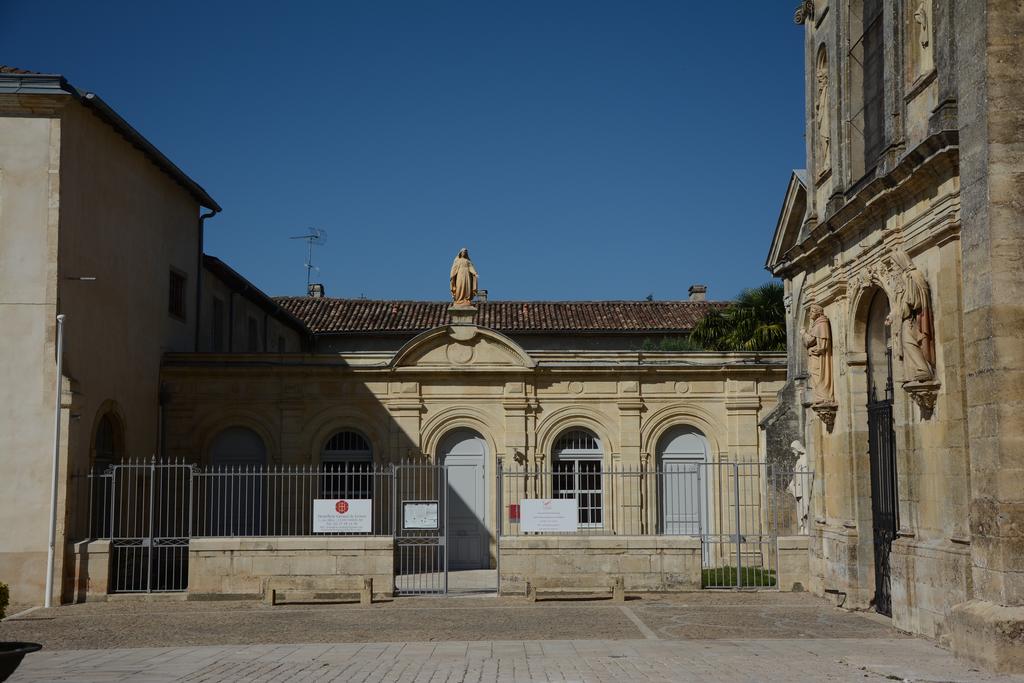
point(630, 406)
point(406, 408)
point(990, 628)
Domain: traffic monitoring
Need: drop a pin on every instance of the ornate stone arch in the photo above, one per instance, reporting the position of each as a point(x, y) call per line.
point(662, 421)
point(566, 417)
point(454, 417)
point(337, 418)
point(208, 429)
point(868, 283)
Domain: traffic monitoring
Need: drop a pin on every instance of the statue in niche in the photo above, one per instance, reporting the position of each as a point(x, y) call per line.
point(818, 340)
point(464, 280)
point(822, 115)
point(916, 333)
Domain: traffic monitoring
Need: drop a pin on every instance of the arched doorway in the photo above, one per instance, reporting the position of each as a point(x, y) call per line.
point(235, 500)
point(463, 452)
point(682, 453)
point(881, 447)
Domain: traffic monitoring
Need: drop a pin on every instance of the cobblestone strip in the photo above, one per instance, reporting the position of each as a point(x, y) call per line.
point(514, 661)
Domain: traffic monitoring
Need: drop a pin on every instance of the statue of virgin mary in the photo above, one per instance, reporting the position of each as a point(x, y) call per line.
point(463, 280)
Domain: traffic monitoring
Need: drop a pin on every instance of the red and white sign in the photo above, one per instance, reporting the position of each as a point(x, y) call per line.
point(346, 516)
point(541, 515)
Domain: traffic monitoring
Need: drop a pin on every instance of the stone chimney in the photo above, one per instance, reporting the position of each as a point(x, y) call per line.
point(481, 296)
point(698, 292)
point(316, 290)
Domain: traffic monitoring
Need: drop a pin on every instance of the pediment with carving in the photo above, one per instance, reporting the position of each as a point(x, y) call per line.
point(462, 348)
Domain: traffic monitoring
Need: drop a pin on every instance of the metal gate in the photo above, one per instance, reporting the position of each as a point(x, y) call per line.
point(739, 539)
point(884, 499)
point(421, 519)
point(150, 515)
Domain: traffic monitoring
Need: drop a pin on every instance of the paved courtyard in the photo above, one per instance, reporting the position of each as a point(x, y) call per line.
point(688, 637)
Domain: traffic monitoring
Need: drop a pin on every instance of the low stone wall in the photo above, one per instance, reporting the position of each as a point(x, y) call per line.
point(646, 563)
point(794, 563)
point(90, 567)
point(243, 567)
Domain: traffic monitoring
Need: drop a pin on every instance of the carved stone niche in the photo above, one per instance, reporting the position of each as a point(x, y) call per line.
point(924, 395)
point(826, 413)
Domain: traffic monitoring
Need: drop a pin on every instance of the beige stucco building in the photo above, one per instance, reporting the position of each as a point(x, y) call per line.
point(905, 229)
point(97, 224)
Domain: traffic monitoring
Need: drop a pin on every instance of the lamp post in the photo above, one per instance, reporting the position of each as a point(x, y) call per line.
point(48, 602)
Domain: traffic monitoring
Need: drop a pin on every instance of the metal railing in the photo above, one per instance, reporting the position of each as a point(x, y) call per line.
point(150, 510)
point(238, 501)
point(737, 509)
point(684, 498)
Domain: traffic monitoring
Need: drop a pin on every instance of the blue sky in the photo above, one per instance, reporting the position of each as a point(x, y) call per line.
point(581, 149)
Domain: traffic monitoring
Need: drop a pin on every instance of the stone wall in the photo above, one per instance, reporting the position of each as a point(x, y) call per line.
point(646, 563)
point(242, 567)
point(90, 564)
point(794, 563)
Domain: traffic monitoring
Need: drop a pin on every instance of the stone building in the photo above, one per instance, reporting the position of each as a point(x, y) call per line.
point(905, 386)
point(170, 355)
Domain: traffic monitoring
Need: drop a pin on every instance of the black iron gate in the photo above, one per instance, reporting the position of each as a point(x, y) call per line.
point(150, 516)
point(884, 498)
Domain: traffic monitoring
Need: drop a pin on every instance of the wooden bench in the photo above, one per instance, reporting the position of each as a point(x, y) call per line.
point(283, 590)
point(617, 590)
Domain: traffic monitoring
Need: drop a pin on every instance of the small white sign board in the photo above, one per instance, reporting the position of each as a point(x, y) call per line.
point(548, 514)
point(419, 514)
point(342, 516)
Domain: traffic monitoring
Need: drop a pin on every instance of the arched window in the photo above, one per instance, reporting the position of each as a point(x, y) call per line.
point(238, 447)
point(347, 461)
point(106, 447)
point(576, 465)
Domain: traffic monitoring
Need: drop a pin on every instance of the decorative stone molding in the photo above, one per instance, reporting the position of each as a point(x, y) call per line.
point(924, 395)
point(804, 12)
point(826, 413)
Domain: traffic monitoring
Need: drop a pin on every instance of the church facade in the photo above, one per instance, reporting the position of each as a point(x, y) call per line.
point(900, 246)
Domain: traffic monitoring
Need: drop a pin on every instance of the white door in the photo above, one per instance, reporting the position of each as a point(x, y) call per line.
point(682, 454)
point(463, 453)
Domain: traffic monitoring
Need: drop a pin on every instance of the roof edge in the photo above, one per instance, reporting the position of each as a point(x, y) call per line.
point(55, 84)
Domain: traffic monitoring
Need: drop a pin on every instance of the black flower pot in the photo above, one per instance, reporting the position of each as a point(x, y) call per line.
point(11, 655)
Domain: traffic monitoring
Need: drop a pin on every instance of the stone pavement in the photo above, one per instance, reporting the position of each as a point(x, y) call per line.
point(687, 637)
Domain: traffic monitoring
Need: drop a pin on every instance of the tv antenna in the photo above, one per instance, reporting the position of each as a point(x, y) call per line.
point(317, 236)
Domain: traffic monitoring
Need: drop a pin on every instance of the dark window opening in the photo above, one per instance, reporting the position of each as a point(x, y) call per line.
point(217, 334)
point(253, 336)
point(176, 297)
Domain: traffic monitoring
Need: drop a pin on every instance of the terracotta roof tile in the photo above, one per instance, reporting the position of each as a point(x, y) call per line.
point(347, 316)
point(4, 69)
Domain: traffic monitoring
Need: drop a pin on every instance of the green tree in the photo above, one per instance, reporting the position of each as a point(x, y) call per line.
point(755, 321)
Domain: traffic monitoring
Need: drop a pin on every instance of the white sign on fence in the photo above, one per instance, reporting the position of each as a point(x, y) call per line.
point(548, 514)
point(340, 516)
point(419, 514)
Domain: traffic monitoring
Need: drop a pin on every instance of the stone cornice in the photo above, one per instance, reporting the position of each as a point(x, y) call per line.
point(937, 155)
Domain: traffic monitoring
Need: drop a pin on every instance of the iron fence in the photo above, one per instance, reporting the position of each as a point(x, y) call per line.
point(737, 509)
point(150, 510)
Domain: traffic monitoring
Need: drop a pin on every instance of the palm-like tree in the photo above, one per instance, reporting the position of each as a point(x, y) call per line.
point(756, 321)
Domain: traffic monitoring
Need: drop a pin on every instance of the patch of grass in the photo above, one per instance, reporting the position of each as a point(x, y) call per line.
point(725, 577)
